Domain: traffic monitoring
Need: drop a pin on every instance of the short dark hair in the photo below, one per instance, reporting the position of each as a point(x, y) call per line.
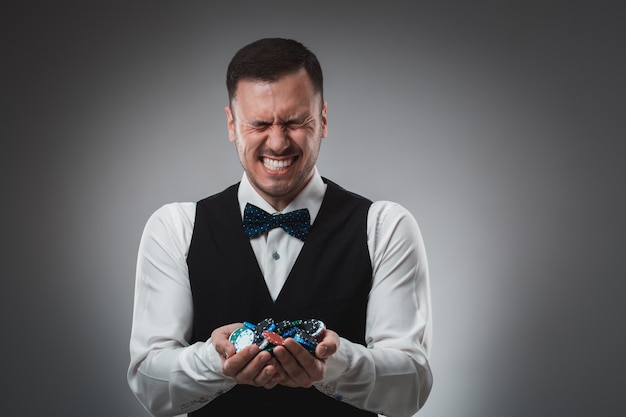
point(269, 59)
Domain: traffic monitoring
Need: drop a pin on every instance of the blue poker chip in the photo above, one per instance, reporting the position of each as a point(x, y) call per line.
point(249, 325)
point(290, 332)
point(305, 343)
point(305, 339)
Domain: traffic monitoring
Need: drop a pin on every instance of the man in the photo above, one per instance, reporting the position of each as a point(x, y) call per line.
point(357, 268)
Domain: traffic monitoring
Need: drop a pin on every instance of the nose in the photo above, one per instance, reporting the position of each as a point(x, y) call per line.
point(277, 139)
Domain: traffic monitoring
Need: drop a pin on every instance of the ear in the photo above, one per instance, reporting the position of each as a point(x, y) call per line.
point(324, 121)
point(230, 124)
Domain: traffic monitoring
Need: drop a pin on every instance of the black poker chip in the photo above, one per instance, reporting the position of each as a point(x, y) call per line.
point(313, 327)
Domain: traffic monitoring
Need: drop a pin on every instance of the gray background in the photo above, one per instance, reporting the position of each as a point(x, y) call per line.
point(499, 124)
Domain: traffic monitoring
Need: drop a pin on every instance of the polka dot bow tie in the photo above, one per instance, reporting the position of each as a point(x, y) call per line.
point(256, 221)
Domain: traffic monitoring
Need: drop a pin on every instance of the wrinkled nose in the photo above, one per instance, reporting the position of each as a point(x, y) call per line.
point(277, 139)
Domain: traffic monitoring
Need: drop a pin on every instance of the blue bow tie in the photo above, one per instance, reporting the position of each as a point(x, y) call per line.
point(256, 221)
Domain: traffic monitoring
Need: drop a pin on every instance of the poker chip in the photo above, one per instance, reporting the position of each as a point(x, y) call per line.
point(273, 338)
point(290, 332)
point(249, 325)
point(242, 338)
point(305, 339)
point(267, 324)
point(283, 326)
point(264, 344)
point(313, 327)
point(267, 334)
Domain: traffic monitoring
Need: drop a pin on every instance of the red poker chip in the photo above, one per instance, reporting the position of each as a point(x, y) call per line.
point(273, 338)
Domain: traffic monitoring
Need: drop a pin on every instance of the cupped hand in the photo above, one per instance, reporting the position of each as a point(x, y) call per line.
point(297, 367)
point(249, 366)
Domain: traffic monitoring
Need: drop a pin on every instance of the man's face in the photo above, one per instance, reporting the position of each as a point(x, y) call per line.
point(277, 128)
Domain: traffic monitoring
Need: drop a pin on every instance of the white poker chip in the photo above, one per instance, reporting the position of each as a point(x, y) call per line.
point(242, 338)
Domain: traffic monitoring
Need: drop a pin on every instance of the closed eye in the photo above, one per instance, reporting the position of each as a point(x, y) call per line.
point(260, 126)
point(297, 123)
point(291, 124)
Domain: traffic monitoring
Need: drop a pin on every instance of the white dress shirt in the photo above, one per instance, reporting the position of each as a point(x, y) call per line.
point(390, 376)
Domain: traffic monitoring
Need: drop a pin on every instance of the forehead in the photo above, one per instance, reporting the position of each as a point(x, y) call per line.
point(291, 92)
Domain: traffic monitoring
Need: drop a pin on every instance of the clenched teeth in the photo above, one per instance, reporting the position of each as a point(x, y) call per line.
point(277, 165)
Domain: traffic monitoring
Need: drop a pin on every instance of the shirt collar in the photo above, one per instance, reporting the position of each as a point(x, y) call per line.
point(310, 197)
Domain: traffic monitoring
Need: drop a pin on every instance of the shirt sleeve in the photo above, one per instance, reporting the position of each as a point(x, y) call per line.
point(392, 374)
point(167, 375)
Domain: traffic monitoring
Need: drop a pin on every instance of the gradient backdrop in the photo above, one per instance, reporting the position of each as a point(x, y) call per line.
point(499, 124)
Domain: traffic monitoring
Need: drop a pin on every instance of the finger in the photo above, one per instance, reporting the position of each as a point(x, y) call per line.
point(224, 332)
point(301, 367)
point(327, 345)
point(301, 354)
point(237, 362)
point(322, 352)
point(221, 342)
point(286, 366)
point(259, 371)
point(229, 350)
point(268, 377)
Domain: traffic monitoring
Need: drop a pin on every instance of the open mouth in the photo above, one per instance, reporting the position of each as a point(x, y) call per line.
point(277, 165)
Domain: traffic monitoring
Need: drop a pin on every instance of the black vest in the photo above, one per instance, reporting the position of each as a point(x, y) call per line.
point(330, 281)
